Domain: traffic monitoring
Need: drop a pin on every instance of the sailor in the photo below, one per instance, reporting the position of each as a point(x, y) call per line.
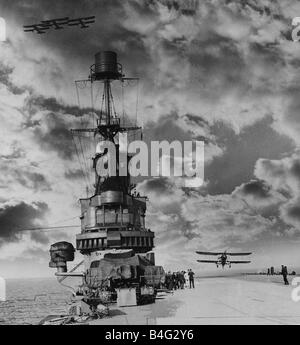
point(169, 281)
point(191, 278)
point(186, 278)
point(177, 280)
point(182, 279)
point(284, 273)
point(174, 280)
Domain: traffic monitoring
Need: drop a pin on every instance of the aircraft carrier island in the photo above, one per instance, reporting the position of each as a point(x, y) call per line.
point(118, 265)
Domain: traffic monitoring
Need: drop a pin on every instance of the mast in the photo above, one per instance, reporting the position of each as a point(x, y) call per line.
point(107, 100)
point(106, 70)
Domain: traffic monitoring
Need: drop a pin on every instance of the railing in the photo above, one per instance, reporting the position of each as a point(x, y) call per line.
point(136, 242)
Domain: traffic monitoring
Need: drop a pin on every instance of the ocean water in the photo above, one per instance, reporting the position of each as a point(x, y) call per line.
point(28, 301)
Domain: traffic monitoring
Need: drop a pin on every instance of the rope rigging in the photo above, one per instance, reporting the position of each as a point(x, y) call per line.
point(85, 141)
point(50, 227)
point(80, 162)
point(83, 146)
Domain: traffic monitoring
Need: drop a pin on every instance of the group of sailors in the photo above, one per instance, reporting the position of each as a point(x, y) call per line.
point(180, 280)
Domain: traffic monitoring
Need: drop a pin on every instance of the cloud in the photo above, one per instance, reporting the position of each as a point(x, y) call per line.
point(241, 152)
point(284, 176)
point(257, 189)
point(189, 127)
point(186, 221)
point(19, 216)
point(54, 134)
point(39, 237)
point(26, 176)
point(260, 197)
point(291, 213)
point(75, 174)
point(164, 192)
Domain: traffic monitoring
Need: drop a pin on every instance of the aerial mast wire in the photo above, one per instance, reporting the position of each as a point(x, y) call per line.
point(80, 162)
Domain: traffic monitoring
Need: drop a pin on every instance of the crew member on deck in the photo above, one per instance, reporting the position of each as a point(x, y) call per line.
point(284, 273)
point(191, 278)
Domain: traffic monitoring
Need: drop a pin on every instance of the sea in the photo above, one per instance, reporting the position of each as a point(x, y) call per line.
point(28, 301)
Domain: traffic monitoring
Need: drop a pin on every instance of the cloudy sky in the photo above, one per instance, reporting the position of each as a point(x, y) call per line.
point(227, 74)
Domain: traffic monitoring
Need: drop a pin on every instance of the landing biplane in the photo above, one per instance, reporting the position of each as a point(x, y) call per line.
point(223, 259)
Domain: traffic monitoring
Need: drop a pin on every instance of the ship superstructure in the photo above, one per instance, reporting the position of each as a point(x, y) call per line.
point(114, 218)
point(114, 240)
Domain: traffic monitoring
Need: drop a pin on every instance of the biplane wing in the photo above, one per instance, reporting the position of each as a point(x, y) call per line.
point(84, 22)
point(209, 253)
point(208, 261)
point(238, 254)
point(240, 262)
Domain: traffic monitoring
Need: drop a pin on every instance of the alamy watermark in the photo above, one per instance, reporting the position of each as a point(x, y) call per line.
point(162, 159)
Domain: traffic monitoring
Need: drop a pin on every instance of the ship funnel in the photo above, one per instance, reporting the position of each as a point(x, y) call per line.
point(106, 66)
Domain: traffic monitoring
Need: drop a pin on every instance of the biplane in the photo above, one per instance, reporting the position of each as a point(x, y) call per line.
point(223, 259)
